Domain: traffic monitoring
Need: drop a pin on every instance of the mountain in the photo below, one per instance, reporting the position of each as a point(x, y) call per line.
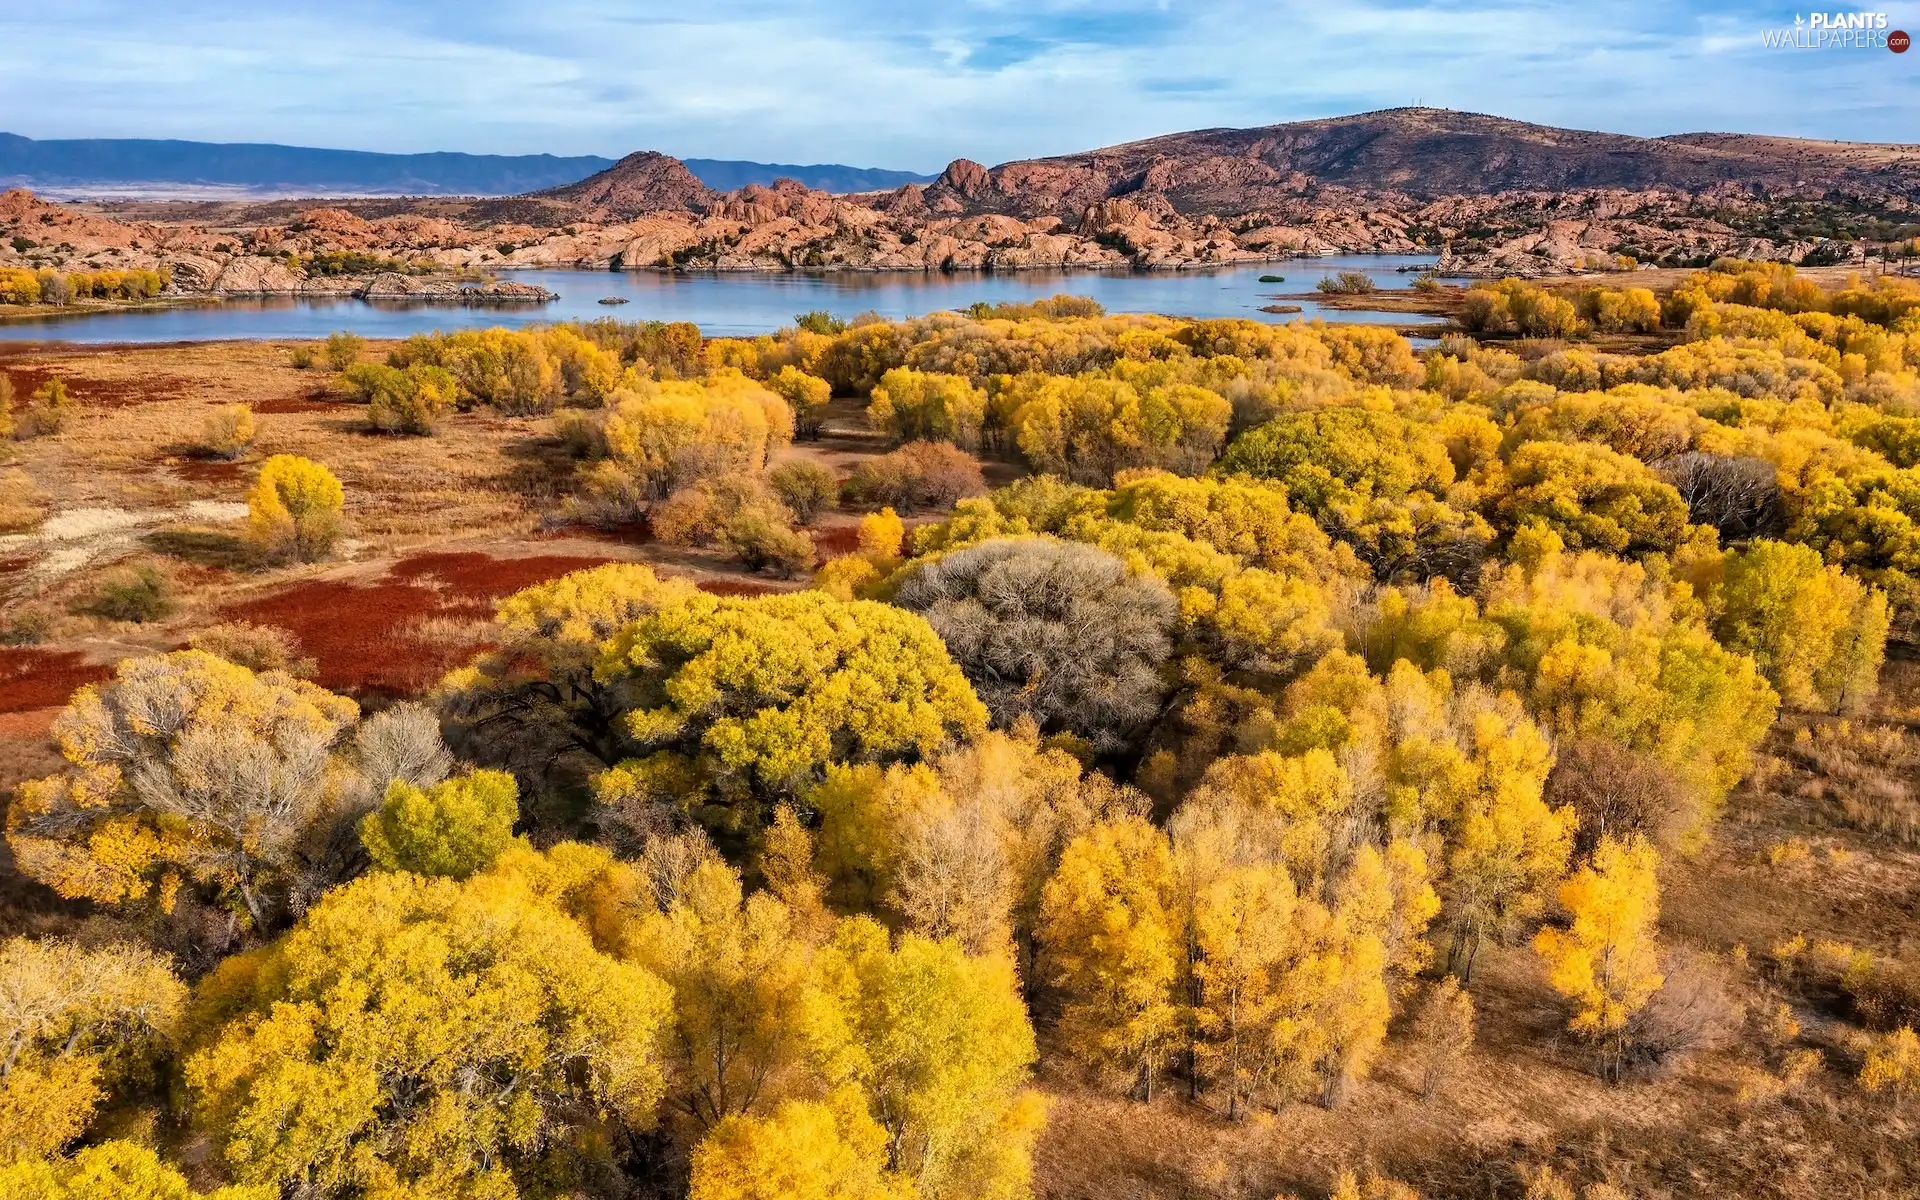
point(97, 163)
point(726, 175)
point(97, 166)
point(1419, 152)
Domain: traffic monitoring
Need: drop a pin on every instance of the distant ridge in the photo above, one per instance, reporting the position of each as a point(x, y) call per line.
point(157, 168)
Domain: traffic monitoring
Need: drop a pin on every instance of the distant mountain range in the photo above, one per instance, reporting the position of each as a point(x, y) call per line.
point(156, 169)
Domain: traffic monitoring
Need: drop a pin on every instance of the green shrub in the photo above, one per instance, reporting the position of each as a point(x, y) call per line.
point(342, 350)
point(139, 594)
point(804, 487)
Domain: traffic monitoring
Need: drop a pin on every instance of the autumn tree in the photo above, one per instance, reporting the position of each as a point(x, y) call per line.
point(1113, 936)
point(657, 438)
point(182, 766)
point(927, 406)
point(803, 1150)
point(1442, 1033)
point(807, 395)
point(1605, 962)
point(739, 976)
point(112, 1170)
point(731, 700)
point(1244, 934)
point(1817, 634)
point(455, 828)
point(421, 1034)
point(1062, 633)
point(962, 846)
point(1592, 497)
point(535, 702)
point(294, 508)
point(937, 1044)
point(78, 1025)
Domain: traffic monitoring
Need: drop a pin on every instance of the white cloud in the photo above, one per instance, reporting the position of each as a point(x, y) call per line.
point(901, 85)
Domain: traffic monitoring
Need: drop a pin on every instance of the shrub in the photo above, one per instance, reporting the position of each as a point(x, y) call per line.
point(808, 396)
point(46, 412)
point(1056, 631)
point(139, 594)
point(698, 515)
point(28, 626)
point(930, 475)
point(804, 487)
point(22, 506)
point(404, 400)
point(294, 508)
point(1347, 283)
point(342, 350)
point(760, 538)
point(228, 432)
point(255, 647)
point(301, 357)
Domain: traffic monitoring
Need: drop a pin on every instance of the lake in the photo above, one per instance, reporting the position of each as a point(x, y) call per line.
point(731, 305)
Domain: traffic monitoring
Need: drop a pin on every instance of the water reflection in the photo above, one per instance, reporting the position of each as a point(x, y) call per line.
point(740, 304)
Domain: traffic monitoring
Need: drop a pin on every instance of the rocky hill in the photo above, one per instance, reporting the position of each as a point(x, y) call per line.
point(1488, 195)
point(1424, 153)
point(640, 183)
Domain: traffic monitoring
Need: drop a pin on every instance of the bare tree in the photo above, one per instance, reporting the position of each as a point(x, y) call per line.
point(1058, 631)
point(1737, 495)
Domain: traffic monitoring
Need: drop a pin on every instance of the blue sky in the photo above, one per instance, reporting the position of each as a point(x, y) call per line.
point(907, 83)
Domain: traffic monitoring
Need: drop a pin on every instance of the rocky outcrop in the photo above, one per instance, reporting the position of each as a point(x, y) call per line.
point(639, 183)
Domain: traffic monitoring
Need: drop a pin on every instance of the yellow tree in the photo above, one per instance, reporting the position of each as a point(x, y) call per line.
point(1243, 933)
point(534, 701)
point(1111, 930)
point(456, 827)
point(181, 765)
point(803, 1150)
point(938, 1044)
point(421, 1036)
point(114, 1170)
point(737, 700)
point(76, 1023)
point(739, 976)
point(294, 508)
point(1606, 961)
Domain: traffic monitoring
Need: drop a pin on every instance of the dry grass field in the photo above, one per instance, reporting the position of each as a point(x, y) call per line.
point(1822, 843)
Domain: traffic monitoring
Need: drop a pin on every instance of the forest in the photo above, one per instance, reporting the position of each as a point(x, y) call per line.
point(1207, 719)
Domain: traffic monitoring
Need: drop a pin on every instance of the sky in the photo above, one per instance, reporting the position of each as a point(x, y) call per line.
point(909, 84)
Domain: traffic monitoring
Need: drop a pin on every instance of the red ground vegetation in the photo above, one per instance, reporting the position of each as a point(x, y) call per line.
point(317, 400)
point(33, 679)
point(836, 540)
point(99, 393)
point(736, 587)
point(398, 635)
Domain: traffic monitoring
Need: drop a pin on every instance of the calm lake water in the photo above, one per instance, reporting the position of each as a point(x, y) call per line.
point(739, 304)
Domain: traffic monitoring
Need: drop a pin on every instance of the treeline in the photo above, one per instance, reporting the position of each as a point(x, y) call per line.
point(20, 285)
